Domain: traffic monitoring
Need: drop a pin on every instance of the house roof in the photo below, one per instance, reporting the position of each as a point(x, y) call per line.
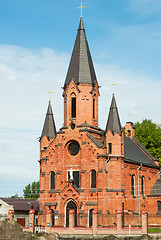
point(134, 154)
point(156, 189)
point(49, 128)
point(113, 122)
point(81, 68)
point(22, 204)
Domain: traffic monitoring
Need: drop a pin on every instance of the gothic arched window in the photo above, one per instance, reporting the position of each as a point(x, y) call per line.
point(73, 107)
point(94, 103)
point(109, 148)
point(159, 206)
point(143, 185)
point(93, 179)
point(52, 180)
point(133, 185)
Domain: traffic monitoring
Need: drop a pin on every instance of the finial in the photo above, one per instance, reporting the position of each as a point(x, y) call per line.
point(50, 92)
point(129, 115)
point(113, 84)
point(81, 8)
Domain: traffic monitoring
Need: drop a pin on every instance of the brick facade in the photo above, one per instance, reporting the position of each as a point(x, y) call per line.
point(85, 168)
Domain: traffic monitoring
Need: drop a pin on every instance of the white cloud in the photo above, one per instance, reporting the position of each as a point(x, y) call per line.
point(26, 76)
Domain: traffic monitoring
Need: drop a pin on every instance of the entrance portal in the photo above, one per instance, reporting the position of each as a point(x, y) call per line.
point(71, 205)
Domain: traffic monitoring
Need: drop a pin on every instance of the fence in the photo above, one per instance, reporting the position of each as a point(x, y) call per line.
point(95, 223)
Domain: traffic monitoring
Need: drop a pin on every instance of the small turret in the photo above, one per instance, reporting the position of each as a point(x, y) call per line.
point(113, 122)
point(129, 130)
point(49, 128)
point(114, 134)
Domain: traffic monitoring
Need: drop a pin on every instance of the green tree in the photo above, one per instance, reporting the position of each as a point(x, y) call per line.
point(149, 135)
point(31, 191)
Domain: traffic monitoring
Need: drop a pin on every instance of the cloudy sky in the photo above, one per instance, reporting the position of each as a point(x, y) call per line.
point(36, 41)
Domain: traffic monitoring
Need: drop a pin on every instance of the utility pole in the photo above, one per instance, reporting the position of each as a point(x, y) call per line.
point(138, 192)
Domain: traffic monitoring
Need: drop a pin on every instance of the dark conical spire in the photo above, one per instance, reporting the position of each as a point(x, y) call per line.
point(49, 128)
point(113, 122)
point(81, 67)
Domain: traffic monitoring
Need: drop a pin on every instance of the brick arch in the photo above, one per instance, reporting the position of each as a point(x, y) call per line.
point(73, 94)
point(71, 204)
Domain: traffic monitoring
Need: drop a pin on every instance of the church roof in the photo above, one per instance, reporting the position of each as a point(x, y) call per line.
point(156, 189)
point(113, 122)
point(81, 68)
point(49, 128)
point(134, 154)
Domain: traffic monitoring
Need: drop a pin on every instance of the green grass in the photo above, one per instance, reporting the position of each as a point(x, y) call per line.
point(154, 230)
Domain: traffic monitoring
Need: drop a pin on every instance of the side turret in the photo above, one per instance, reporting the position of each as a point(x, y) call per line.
point(114, 134)
point(49, 129)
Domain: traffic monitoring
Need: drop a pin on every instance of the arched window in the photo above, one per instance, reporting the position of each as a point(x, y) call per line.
point(142, 185)
point(93, 179)
point(52, 217)
point(90, 217)
point(94, 108)
point(73, 107)
point(109, 148)
point(159, 206)
point(133, 185)
point(52, 180)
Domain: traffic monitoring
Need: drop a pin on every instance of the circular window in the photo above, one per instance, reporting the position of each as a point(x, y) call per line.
point(72, 126)
point(73, 148)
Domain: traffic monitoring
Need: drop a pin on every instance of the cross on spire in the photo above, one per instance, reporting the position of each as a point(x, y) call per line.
point(50, 92)
point(81, 7)
point(113, 84)
point(129, 115)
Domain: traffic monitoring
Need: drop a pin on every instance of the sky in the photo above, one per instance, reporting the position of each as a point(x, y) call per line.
point(36, 42)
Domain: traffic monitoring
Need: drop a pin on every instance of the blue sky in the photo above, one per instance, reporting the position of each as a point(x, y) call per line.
point(36, 41)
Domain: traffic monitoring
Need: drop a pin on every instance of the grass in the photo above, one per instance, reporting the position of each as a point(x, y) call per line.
point(154, 230)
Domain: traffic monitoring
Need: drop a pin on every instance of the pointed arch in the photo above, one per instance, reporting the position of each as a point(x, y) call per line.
point(73, 105)
point(93, 178)
point(90, 218)
point(52, 180)
point(71, 205)
point(143, 185)
point(133, 185)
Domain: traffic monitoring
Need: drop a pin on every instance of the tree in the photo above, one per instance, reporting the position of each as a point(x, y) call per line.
point(31, 191)
point(149, 135)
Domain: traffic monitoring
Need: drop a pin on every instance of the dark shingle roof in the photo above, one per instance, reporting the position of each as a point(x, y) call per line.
point(49, 128)
point(113, 122)
point(99, 144)
point(156, 189)
point(134, 154)
point(88, 125)
point(22, 204)
point(81, 67)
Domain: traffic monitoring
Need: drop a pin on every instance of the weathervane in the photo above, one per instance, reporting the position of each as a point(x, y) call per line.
point(50, 92)
point(81, 8)
point(113, 84)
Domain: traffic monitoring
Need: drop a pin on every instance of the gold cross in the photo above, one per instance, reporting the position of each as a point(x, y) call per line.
point(129, 116)
point(113, 84)
point(50, 92)
point(81, 9)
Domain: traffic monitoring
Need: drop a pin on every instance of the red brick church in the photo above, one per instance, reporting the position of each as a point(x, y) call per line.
point(84, 167)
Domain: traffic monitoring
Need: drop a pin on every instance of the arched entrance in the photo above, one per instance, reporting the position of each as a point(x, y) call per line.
point(90, 217)
point(71, 205)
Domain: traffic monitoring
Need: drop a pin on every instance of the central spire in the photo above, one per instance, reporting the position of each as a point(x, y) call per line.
point(81, 68)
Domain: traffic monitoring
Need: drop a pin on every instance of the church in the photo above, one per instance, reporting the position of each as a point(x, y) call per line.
point(86, 168)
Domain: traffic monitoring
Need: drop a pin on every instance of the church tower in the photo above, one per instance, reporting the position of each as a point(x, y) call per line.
point(81, 87)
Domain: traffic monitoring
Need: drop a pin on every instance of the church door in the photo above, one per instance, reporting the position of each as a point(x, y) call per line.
point(71, 205)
